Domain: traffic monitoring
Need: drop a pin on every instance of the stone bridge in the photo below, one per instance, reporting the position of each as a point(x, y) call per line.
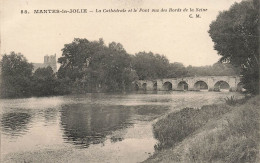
point(210, 83)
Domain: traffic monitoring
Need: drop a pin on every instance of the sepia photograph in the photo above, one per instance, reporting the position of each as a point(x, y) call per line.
point(129, 81)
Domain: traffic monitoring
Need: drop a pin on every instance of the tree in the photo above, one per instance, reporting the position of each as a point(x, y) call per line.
point(217, 69)
point(118, 72)
point(235, 35)
point(44, 82)
point(150, 66)
point(176, 69)
point(92, 66)
point(77, 55)
point(16, 75)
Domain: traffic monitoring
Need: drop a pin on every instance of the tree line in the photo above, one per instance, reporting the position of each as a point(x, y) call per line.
point(91, 66)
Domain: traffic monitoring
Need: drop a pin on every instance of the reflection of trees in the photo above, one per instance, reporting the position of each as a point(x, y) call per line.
point(84, 125)
point(15, 123)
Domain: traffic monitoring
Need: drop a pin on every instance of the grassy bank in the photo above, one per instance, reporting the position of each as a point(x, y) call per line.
point(214, 133)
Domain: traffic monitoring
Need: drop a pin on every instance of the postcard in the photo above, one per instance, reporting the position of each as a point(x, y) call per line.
point(129, 81)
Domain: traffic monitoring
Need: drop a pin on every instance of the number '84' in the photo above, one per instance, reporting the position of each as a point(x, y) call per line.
point(24, 12)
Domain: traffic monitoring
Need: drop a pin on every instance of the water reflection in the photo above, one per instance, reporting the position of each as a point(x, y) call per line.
point(56, 126)
point(50, 115)
point(151, 111)
point(89, 124)
point(15, 123)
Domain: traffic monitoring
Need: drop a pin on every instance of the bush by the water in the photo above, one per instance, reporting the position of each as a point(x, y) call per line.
point(232, 101)
point(236, 140)
point(177, 126)
point(216, 133)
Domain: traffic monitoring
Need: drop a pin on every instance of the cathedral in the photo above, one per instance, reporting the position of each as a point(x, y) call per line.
point(48, 61)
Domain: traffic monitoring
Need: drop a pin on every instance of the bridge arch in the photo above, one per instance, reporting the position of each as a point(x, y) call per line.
point(144, 86)
point(221, 85)
point(183, 85)
point(201, 85)
point(167, 86)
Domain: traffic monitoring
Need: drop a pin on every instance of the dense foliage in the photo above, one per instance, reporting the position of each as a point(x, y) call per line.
point(93, 66)
point(16, 75)
point(150, 66)
point(236, 36)
point(18, 79)
point(44, 82)
point(217, 69)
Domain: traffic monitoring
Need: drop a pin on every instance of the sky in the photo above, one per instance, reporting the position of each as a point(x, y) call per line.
point(173, 34)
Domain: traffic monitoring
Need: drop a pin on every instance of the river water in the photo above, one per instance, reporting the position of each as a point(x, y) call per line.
point(90, 128)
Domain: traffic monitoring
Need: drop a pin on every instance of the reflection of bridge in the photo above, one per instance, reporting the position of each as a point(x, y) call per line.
point(210, 83)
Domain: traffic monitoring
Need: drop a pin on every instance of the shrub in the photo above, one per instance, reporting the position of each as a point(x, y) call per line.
point(235, 141)
point(179, 125)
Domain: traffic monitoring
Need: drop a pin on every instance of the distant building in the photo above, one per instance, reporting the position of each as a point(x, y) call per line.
point(48, 61)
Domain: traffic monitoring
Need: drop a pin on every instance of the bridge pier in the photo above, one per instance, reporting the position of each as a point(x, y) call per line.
point(159, 85)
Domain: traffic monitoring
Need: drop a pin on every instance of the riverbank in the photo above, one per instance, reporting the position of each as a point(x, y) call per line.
point(214, 133)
